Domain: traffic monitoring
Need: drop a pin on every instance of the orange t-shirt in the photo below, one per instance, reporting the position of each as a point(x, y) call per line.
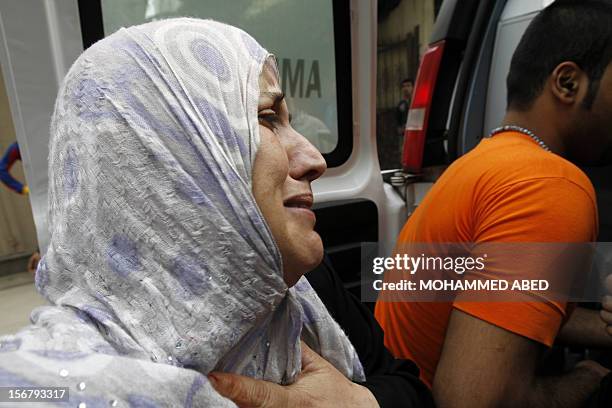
point(507, 189)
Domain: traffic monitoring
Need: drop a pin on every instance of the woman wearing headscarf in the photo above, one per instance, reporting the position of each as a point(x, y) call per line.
point(180, 225)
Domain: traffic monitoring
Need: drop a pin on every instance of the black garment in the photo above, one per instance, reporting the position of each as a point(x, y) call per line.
point(401, 113)
point(603, 397)
point(394, 383)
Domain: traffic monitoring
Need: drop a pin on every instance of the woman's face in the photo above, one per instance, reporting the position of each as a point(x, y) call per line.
point(285, 165)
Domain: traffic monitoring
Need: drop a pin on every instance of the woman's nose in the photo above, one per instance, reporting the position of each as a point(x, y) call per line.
point(305, 160)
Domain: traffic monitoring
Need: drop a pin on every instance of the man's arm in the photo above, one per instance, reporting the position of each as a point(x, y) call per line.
point(499, 370)
point(585, 328)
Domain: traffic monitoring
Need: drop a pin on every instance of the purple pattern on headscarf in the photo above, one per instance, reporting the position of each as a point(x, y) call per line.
point(132, 48)
point(90, 402)
point(199, 381)
point(140, 401)
point(71, 171)
point(123, 80)
point(96, 313)
point(88, 99)
point(296, 326)
point(191, 274)
point(8, 379)
point(203, 187)
point(41, 278)
point(220, 126)
point(104, 348)
point(210, 183)
point(253, 336)
point(144, 119)
point(82, 316)
point(210, 58)
point(186, 186)
point(60, 355)
point(310, 316)
point(122, 256)
point(206, 189)
point(302, 285)
point(9, 345)
point(189, 189)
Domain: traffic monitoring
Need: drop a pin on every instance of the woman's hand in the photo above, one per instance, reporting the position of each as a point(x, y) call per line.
point(318, 385)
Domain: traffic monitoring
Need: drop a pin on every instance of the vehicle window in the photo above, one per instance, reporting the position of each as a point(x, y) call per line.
point(299, 33)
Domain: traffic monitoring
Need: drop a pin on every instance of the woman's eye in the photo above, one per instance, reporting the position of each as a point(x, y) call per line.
point(270, 117)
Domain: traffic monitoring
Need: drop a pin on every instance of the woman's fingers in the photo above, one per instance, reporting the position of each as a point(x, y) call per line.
point(311, 361)
point(319, 385)
point(247, 392)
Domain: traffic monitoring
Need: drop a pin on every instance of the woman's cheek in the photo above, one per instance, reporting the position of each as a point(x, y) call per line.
point(281, 165)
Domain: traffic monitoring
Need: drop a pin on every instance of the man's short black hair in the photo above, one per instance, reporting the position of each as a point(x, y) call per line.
point(579, 31)
point(407, 80)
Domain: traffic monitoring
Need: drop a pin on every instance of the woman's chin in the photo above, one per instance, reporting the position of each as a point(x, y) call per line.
point(313, 255)
point(302, 261)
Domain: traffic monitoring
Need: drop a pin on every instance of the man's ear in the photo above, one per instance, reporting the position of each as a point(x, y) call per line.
point(568, 82)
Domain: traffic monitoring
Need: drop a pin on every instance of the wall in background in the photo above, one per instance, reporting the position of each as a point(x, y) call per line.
point(17, 231)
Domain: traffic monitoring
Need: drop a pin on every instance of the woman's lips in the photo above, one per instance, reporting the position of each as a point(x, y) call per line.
point(301, 204)
point(302, 211)
point(303, 200)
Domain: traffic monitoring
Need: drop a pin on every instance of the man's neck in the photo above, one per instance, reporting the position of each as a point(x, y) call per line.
point(545, 130)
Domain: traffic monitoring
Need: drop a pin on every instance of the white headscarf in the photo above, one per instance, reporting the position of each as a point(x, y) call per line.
point(160, 266)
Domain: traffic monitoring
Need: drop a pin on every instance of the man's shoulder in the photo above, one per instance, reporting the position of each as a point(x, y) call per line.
point(501, 164)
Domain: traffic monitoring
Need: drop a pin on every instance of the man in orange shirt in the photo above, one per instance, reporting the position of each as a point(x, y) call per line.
point(521, 184)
